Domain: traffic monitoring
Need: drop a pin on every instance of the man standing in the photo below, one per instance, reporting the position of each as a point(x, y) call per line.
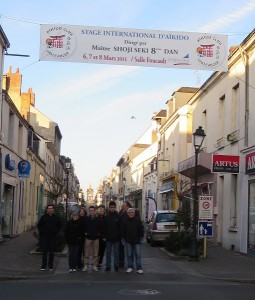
point(132, 232)
point(112, 235)
point(49, 225)
point(93, 230)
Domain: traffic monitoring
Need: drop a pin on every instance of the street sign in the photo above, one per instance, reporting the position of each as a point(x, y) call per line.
point(205, 207)
point(205, 228)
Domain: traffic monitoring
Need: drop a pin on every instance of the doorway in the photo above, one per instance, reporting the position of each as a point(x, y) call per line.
point(7, 212)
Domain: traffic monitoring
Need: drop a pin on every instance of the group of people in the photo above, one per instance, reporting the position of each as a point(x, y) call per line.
point(97, 233)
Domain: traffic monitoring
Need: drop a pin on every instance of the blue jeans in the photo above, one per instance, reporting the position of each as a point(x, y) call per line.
point(134, 252)
point(73, 255)
point(115, 246)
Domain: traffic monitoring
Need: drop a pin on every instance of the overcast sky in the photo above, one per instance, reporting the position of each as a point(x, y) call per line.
point(93, 104)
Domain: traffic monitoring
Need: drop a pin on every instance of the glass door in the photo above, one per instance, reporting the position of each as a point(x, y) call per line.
point(251, 219)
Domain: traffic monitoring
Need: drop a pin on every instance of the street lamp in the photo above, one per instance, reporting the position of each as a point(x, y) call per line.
point(67, 168)
point(198, 138)
point(123, 187)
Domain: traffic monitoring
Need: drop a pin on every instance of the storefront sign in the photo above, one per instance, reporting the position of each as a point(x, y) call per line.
point(167, 187)
point(225, 163)
point(9, 163)
point(250, 163)
point(205, 207)
point(24, 169)
point(134, 47)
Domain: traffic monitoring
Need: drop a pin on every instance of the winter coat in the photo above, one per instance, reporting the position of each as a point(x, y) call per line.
point(112, 227)
point(93, 228)
point(73, 232)
point(132, 230)
point(49, 226)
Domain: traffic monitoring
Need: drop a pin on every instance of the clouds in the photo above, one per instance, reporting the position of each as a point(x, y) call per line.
point(228, 19)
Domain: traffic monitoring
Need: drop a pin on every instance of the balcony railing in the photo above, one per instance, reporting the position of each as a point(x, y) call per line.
point(220, 143)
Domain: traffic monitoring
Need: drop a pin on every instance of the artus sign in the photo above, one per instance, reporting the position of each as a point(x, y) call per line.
point(134, 47)
point(250, 163)
point(225, 163)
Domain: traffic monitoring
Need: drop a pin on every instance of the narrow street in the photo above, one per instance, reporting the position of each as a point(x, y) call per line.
point(163, 278)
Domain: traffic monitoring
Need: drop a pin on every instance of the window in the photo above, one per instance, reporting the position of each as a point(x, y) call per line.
point(233, 199)
point(11, 129)
point(235, 108)
point(221, 116)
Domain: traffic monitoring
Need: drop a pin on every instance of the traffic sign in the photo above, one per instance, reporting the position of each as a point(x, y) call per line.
point(205, 228)
point(205, 207)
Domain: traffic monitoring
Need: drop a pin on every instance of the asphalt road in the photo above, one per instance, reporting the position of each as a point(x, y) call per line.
point(163, 279)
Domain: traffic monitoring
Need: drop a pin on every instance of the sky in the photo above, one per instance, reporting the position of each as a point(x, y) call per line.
point(93, 104)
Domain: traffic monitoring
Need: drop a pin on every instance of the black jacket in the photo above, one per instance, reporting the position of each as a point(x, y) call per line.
point(93, 228)
point(73, 232)
point(49, 226)
point(112, 227)
point(132, 230)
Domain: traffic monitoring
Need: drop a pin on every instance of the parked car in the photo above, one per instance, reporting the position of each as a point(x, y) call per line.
point(161, 223)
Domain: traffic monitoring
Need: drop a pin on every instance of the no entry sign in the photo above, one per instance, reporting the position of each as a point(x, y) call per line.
point(205, 207)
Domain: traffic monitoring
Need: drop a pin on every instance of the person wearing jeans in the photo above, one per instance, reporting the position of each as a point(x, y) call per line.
point(112, 236)
point(132, 232)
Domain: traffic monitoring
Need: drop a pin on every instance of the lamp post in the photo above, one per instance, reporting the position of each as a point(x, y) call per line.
point(67, 167)
point(198, 138)
point(123, 187)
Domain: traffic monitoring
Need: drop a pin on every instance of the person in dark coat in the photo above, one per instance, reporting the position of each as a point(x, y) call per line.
point(93, 230)
point(73, 233)
point(80, 256)
point(112, 235)
point(102, 242)
point(132, 231)
point(48, 226)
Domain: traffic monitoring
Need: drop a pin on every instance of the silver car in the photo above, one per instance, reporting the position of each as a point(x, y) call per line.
point(161, 223)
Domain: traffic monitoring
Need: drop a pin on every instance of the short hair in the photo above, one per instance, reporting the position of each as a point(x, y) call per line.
point(100, 209)
point(112, 203)
point(131, 209)
point(49, 205)
point(92, 206)
point(129, 205)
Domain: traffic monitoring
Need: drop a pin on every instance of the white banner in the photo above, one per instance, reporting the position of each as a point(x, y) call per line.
point(134, 47)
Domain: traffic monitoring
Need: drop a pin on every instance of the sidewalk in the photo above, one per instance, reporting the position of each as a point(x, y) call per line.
point(16, 262)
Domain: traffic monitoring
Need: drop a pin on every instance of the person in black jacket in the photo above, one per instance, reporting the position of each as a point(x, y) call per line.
point(112, 235)
point(80, 256)
point(102, 243)
point(48, 226)
point(93, 230)
point(73, 233)
point(132, 231)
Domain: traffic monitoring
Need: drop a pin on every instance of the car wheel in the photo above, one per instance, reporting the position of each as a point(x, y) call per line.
point(153, 243)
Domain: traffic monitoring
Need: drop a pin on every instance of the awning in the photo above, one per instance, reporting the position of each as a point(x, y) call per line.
point(167, 187)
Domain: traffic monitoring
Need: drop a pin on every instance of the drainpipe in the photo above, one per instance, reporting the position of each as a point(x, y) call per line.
point(245, 59)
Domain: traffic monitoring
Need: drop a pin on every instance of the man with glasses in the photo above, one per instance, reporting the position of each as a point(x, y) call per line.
point(132, 232)
point(112, 235)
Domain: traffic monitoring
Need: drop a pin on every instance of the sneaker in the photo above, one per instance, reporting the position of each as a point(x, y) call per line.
point(116, 269)
point(95, 269)
point(129, 270)
point(139, 271)
point(51, 269)
point(42, 269)
point(85, 269)
point(99, 266)
point(70, 270)
point(74, 270)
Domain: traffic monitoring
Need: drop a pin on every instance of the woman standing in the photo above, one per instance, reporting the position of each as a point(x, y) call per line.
point(73, 235)
point(80, 257)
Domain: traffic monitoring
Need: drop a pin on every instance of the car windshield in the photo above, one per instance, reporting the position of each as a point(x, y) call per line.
point(167, 217)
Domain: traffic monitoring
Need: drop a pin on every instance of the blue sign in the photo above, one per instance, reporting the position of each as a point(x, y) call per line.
point(205, 228)
point(24, 169)
point(9, 163)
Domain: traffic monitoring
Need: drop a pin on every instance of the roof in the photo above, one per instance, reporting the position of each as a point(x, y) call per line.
point(4, 39)
point(160, 114)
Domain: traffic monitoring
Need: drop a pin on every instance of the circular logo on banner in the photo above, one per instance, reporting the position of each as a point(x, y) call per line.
point(60, 42)
point(210, 51)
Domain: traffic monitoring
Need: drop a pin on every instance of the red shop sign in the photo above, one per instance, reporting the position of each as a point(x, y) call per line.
point(250, 163)
point(225, 163)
